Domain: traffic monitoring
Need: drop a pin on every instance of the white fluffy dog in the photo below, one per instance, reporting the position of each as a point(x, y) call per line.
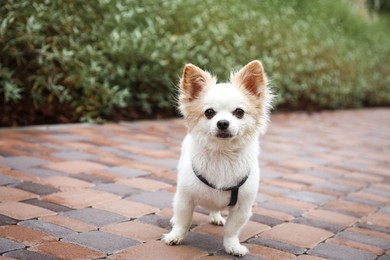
point(218, 167)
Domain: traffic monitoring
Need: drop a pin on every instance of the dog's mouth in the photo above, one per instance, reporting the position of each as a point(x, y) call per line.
point(224, 134)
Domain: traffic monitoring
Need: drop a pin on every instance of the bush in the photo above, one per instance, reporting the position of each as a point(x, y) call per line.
point(67, 61)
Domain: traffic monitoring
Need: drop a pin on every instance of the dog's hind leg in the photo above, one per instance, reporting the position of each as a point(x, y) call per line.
point(216, 218)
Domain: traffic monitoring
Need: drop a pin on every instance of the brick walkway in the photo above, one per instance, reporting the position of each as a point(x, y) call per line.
point(84, 192)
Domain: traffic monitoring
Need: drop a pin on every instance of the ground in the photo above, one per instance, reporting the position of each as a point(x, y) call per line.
point(105, 191)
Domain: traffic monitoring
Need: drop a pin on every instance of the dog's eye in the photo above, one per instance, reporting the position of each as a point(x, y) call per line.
point(239, 113)
point(209, 113)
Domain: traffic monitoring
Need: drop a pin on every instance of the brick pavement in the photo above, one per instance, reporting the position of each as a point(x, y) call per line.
point(93, 192)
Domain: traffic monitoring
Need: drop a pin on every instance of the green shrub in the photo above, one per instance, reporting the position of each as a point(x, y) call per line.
point(66, 61)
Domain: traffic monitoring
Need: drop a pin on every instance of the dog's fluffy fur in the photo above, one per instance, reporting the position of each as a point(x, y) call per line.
point(224, 122)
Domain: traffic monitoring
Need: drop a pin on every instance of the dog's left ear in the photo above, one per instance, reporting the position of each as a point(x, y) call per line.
point(252, 77)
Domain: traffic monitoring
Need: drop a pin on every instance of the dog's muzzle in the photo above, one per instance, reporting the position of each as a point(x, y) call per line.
point(223, 126)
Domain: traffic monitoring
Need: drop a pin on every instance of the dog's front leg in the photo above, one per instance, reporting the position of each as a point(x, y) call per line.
point(183, 208)
point(238, 217)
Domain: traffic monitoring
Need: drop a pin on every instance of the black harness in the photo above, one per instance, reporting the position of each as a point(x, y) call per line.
point(233, 189)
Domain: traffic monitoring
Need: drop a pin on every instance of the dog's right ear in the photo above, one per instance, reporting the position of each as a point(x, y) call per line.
point(194, 80)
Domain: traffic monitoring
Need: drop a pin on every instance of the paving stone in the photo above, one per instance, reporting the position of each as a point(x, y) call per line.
point(118, 189)
point(101, 241)
point(344, 189)
point(274, 190)
point(332, 227)
point(357, 245)
point(160, 221)
point(363, 201)
point(96, 217)
point(36, 188)
point(293, 203)
point(65, 183)
point(4, 220)
point(321, 173)
point(70, 223)
point(7, 245)
point(21, 162)
point(369, 232)
point(73, 155)
point(126, 172)
point(365, 239)
point(261, 198)
point(42, 173)
point(292, 211)
point(158, 250)
point(166, 163)
point(349, 207)
point(47, 205)
point(287, 184)
point(127, 208)
point(29, 255)
point(250, 230)
point(64, 250)
point(74, 167)
point(377, 191)
point(379, 219)
point(385, 209)
point(384, 257)
point(25, 235)
point(309, 257)
point(224, 255)
point(5, 180)
point(144, 184)
point(312, 197)
point(23, 211)
point(266, 220)
point(329, 216)
point(276, 214)
point(14, 194)
point(371, 197)
point(159, 199)
point(288, 232)
point(19, 175)
point(136, 230)
point(268, 253)
point(92, 178)
point(80, 198)
point(278, 245)
point(304, 179)
point(203, 242)
point(46, 227)
point(374, 227)
point(333, 251)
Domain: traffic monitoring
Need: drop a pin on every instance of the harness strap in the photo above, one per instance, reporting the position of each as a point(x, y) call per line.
point(233, 189)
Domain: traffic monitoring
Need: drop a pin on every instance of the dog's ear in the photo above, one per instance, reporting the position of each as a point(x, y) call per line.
point(194, 80)
point(252, 77)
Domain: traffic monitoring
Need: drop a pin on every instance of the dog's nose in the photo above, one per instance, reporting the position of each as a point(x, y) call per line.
point(222, 124)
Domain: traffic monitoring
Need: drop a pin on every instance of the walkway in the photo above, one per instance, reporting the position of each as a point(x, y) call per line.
point(87, 192)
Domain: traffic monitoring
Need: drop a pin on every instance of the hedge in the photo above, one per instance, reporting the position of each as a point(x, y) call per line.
point(69, 61)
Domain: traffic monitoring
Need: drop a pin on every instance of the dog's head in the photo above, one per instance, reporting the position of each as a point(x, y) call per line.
point(225, 111)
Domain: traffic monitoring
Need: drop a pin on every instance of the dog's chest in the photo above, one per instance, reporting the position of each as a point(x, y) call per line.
point(212, 199)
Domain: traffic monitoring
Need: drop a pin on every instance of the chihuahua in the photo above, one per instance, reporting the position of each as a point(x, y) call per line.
point(218, 167)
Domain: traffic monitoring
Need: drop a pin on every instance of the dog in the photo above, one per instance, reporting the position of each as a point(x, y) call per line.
point(218, 166)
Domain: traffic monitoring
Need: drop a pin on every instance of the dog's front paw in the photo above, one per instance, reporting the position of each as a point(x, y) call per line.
point(235, 248)
point(172, 239)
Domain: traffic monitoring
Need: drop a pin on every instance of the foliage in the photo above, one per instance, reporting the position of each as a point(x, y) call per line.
point(64, 61)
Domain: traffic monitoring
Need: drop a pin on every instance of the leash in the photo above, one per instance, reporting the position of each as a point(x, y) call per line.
point(233, 189)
